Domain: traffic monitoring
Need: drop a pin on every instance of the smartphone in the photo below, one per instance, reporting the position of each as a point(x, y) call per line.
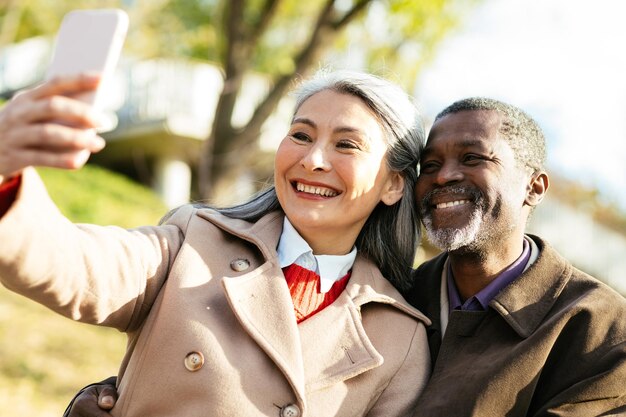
point(89, 40)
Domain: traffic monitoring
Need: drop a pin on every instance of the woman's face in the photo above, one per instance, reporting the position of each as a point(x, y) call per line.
point(331, 172)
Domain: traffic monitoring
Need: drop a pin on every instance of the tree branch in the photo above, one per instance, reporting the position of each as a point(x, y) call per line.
point(351, 14)
point(320, 37)
point(268, 11)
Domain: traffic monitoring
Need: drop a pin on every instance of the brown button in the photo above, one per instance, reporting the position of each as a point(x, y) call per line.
point(240, 265)
point(194, 361)
point(290, 410)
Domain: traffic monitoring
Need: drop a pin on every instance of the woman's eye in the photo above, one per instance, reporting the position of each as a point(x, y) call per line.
point(347, 144)
point(300, 136)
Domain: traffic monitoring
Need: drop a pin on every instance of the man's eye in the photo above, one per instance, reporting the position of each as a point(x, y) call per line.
point(472, 158)
point(427, 167)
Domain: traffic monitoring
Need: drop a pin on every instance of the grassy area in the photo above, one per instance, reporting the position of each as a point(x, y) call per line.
point(46, 358)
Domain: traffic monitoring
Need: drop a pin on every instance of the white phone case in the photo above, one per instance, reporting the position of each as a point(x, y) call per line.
point(89, 41)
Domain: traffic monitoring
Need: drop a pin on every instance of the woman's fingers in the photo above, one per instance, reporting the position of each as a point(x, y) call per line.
point(51, 137)
point(60, 109)
point(43, 127)
point(62, 86)
point(48, 145)
point(36, 157)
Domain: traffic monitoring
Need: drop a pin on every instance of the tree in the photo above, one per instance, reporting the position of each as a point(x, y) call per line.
point(281, 39)
point(245, 23)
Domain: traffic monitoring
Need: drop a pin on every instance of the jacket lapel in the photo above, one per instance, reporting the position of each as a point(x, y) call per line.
point(539, 286)
point(343, 350)
point(260, 299)
point(262, 303)
point(340, 351)
point(426, 296)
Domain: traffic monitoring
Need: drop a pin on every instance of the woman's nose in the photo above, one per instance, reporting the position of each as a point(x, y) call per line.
point(316, 159)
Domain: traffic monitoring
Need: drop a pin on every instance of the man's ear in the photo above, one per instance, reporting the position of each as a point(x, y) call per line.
point(393, 189)
point(537, 188)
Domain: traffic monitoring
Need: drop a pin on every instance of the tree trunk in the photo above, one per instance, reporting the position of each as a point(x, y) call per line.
point(226, 151)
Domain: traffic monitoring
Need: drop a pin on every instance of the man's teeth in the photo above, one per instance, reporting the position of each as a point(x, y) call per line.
point(452, 203)
point(325, 192)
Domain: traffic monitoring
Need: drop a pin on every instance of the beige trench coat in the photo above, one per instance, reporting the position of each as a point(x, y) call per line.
point(209, 317)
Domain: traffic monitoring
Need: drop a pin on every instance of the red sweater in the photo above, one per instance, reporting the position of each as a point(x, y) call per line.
point(304, 288)
point(8, 191)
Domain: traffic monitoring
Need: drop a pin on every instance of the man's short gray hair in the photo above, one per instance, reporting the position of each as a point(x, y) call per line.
point(521, 131)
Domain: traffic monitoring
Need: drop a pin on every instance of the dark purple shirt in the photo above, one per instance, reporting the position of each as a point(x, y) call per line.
point(481, 300)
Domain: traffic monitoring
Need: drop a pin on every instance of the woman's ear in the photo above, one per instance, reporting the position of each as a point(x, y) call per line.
point(537, 188)
point(394, 189)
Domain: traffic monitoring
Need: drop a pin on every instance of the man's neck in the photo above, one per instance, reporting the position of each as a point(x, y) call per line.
point(474, 269)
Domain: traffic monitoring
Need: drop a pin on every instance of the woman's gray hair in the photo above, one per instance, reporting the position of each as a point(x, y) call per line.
point(390, 235)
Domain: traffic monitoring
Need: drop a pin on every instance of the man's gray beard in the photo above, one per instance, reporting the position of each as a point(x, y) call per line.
point(450, 239)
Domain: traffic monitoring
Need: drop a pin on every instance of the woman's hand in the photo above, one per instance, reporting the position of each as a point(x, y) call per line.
point(45, 126)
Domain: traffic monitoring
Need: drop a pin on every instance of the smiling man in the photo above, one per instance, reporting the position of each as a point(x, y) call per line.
point(517, 330)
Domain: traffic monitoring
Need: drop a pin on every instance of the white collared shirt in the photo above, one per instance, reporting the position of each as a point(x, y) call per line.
point(292, 248)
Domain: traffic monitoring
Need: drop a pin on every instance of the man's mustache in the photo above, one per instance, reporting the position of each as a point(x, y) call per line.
point(473, 193)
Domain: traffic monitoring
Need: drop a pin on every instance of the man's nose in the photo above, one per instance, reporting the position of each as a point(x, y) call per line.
point(449, 173)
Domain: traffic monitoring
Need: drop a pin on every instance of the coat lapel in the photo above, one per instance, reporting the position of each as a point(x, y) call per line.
point(426, 296)
point(260, 299)
point(539, 286)
point(340, 351)
point(343, 350)
point(261, 302)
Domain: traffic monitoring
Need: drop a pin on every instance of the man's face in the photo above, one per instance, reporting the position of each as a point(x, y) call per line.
point(471, 190)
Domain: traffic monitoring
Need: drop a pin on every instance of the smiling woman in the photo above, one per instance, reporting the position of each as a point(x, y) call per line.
point(292, 289)
point(330, 172)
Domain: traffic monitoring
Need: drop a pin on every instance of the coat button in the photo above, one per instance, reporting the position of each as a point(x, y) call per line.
point(240, 265)
point(194, 361)
point(290, 410)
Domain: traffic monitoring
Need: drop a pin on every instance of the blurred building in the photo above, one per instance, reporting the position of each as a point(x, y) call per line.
point(590, 245)
point(159, 112)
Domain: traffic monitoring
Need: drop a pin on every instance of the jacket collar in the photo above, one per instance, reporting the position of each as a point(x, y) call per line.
point(539, 286)
point(264, 233)
point(261, 301)
point(366, 284)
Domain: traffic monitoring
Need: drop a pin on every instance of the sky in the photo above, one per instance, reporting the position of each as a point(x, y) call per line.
point(563, 62)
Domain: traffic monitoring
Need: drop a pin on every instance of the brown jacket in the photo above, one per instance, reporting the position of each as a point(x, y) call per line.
point(209, 317)
point(553, 343)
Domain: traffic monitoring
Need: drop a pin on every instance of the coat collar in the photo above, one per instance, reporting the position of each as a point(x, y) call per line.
point(367, 284)
point(264, 233)
point(261, 301)
point(539, 286)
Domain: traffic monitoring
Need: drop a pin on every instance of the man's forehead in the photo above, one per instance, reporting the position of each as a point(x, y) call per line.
point(467, 124)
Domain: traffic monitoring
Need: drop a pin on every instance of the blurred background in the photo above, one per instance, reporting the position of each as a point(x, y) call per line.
point(200, 101)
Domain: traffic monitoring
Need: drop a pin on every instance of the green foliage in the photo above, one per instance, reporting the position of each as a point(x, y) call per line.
point(95, 195)
point(281, 39)
point(46, 358)
point(400, 43)
point(39, 17)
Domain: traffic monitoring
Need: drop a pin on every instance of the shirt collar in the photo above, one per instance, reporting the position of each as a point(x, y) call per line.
point(481, 300)
point(292, 248)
